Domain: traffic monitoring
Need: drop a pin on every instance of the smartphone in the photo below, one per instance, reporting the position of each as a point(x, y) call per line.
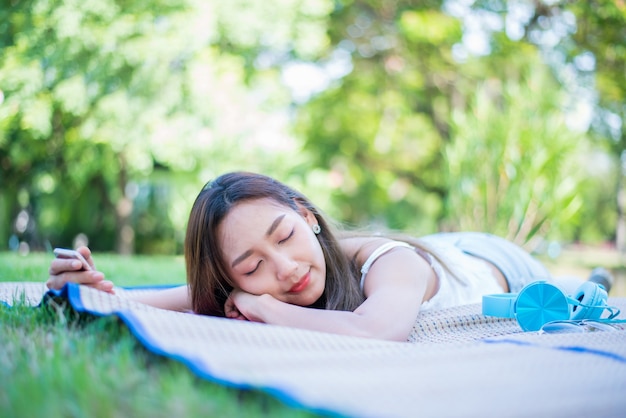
point(65, 253)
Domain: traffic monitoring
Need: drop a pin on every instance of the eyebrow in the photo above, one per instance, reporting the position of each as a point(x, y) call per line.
point(274, 225)
point(241, 258)
point(269, 232)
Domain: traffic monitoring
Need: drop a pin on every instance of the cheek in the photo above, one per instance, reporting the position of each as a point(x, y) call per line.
point(319, 257)
point(257, 285)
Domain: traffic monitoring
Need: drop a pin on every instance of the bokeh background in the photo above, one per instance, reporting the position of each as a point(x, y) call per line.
point(420, 116)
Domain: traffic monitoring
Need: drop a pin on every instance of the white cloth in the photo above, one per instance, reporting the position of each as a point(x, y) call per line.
point(377, 253)
point(475, 277)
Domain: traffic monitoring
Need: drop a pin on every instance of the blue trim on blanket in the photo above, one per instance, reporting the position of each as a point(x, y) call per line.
point(152, 286)
point(71, 292)
point(283, 395)
point(572, 348)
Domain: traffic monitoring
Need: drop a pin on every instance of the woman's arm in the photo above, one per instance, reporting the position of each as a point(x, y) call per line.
point(173, 299)
point(64, 271)
point(396, 285)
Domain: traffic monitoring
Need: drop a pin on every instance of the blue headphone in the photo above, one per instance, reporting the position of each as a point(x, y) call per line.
point(540, 302)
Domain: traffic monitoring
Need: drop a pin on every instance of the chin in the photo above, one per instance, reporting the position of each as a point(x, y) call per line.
point(316, 297)
point(309, 299)
point(320, 303)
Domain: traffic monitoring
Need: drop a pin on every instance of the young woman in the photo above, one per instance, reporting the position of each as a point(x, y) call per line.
point(258, 250)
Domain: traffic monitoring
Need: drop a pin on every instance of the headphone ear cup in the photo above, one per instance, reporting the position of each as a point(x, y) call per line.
point(538, 303)
point(593, 297)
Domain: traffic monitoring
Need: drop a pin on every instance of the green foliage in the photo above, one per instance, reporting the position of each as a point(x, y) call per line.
point(513, 162)
point(475, 143)
point(114, 114)
point(429, 27)
point(101, 99)
point(378, 132)
point(584, 42)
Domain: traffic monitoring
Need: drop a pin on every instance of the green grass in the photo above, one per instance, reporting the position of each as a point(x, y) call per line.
point(54, 363)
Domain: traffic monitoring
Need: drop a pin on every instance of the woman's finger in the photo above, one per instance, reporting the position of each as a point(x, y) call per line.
point(105, 286)
point(61, 265)
point(57, 281)
point(86, 252)
point(230, 309)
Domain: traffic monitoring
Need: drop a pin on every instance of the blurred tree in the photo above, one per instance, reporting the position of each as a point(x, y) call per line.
point(598, 52)
point(380, 129)
point(426, 133)
point(584, 42)
point(114, 113)
point(76, 100)
point(514, 165)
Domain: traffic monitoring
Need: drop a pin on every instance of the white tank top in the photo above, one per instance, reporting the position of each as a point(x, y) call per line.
point(377, 253)
point(476, 278)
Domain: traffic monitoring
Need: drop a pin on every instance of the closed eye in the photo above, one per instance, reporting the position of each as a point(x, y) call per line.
point(287, 237)
point(282, 241)
point(251, 272)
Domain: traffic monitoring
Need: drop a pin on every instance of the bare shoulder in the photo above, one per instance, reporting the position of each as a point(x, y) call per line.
point(361, 247)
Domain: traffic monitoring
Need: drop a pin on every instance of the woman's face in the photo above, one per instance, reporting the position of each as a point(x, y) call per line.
point(270, 248)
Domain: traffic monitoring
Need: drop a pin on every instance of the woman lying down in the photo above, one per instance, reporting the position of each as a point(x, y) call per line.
point(258, 250)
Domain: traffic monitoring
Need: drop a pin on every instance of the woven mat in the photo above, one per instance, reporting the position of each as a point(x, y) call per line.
point(461, 363)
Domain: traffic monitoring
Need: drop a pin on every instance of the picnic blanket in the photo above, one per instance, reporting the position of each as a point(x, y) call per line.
point(458, 363)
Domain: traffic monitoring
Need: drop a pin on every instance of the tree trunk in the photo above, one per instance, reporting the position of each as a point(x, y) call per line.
point(123, 211)
point(620, 232)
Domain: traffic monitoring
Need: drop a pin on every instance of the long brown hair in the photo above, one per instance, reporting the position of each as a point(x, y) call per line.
point(206, 272)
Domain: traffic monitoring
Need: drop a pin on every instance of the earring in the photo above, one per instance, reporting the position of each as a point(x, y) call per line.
point(316, 229)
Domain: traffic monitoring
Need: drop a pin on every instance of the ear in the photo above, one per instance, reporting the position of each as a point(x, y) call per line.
point(308, 216)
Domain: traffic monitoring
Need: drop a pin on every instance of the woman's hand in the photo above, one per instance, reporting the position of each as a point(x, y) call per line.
point(241, 305)
point(230, 308)
point(68, 270)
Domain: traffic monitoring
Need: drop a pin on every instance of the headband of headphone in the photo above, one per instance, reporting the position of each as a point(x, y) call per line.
point(540, 302)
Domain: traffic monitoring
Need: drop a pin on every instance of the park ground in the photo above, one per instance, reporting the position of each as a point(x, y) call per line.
point(578, 260)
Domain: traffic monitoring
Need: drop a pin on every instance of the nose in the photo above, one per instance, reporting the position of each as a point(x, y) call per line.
point(286, 267)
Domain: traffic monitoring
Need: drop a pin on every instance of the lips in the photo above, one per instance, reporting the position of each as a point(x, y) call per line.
point(302, 284)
